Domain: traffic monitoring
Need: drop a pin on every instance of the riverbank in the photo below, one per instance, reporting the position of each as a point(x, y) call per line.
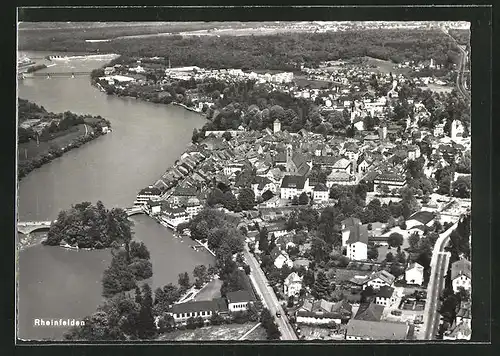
point(51, 150)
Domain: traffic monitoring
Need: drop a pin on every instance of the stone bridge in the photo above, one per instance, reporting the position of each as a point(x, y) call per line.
point(27, 227)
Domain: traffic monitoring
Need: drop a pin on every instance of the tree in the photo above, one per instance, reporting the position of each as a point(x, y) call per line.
point(372, 253)
point(166, 323)
point(395, 239)
point(389, 257)
point(409, 203)
point(200, 274)
point(230, 202)
point(321, 288)
point(295, 200)
point(146, 325)
point(227, 136)
point(191, 323)
point(263, 241)
point(184, 280)
point(139, 250)
point(413, 241)
point(461, 188)
point(246, 199)
point(303, 199)
point(165, 297)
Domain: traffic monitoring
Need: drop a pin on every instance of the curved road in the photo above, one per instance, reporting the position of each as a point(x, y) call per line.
point(439, 266)
point(268, 296)
point(460, 78)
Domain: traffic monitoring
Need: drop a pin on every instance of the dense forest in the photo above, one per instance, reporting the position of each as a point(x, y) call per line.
point(283, 52)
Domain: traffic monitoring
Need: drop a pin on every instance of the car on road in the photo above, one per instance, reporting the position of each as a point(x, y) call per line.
point(278, 314)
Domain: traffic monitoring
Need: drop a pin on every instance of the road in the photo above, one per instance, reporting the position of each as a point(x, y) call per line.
point(460, 77)
point(439, 267)
point(269, 298)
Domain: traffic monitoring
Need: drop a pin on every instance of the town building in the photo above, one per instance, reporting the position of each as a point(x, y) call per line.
point(369, 312)
point(147, 194)
point(292, 285)
point(379, 279)
point(276, 126)
point(391, 180)
point(461, 275)
point(414, 274)
point(322, 312)
point(457, 130)
point(293, 185)
point(239, 300)
point(355, 239)
point(385, 296)
point(420, 218)
point(204, 309)
point(321, 193)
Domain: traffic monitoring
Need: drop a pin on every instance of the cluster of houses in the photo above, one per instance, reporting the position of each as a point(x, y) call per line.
point(364, 324)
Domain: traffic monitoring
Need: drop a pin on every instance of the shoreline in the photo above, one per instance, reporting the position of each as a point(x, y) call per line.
point(49, 157)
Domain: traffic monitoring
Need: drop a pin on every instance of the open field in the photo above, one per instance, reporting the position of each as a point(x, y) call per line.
point(314, 84)
point(210, 291)
point(257, 334)
point(210, 333)
point(30, 150)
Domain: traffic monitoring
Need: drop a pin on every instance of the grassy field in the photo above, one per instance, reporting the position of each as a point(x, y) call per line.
point(31, 149)
point(210, 291)
point(258, 334)
point(210, 333)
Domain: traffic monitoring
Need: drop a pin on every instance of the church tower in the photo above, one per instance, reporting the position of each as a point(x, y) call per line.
point(289, 156)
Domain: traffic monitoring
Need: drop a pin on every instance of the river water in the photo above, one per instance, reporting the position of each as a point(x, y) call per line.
point(147, 138)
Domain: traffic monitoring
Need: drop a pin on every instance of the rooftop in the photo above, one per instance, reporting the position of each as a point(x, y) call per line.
point(296, 182)
point(240, 296)
point(369, 312)
point(461, 267)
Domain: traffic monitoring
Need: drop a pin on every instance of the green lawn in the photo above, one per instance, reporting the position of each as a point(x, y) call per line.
point(31, 149)
point(258, 334)
point(210, 291)
point(210, 333)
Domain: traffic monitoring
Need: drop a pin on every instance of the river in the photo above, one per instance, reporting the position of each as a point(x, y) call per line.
point(146, 139)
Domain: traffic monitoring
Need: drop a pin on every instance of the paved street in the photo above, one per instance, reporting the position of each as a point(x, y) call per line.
point(270, 300)
point(439, 266)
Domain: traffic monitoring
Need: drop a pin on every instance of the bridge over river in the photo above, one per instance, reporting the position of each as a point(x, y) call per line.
point(28, 227)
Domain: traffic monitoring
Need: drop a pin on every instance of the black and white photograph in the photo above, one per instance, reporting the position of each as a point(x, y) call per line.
point(243, 181)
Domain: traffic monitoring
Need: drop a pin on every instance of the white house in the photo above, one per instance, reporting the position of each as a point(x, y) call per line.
point(204, 309)
point(292, 284)
point(154, 207)
point(281, 258)
point(385, 296)
point(342, 165)
point(379, 279)
point(413, 152)
point(461, 275)
point(322, 312)
point(239, 300)
point(414, 274)
point(439, 130)
point(321, 193)
point(272, 203)
point(292, 186)
point(355, 239)
point(147, 194)
point(457, 130)
point(391, 180)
